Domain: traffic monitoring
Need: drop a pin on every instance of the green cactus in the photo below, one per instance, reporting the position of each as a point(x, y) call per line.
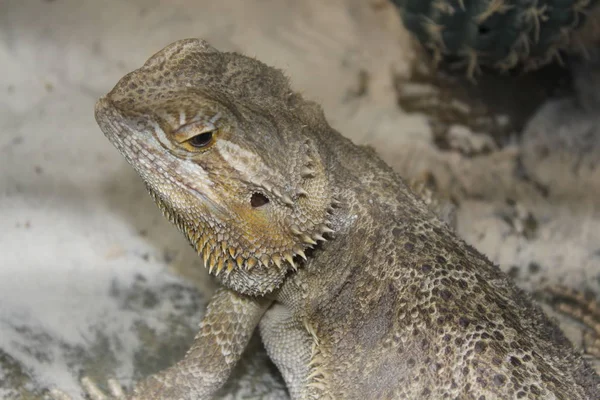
point(502, 34)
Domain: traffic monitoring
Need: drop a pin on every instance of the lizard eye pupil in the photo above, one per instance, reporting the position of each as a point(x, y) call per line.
point(201, 140)
point(258, 200)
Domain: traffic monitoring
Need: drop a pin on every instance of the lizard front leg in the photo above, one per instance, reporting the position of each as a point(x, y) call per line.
point(224, 333)
point(289, 345)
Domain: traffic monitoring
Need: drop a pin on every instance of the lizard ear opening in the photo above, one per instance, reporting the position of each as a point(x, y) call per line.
point(258, 200)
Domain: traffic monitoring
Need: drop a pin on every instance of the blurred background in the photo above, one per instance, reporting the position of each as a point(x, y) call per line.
point(94, 281)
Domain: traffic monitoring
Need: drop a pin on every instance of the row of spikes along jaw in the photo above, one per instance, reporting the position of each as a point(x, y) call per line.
point(309, 206)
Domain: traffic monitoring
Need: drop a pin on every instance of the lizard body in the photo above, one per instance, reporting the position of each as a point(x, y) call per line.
point(359, 290)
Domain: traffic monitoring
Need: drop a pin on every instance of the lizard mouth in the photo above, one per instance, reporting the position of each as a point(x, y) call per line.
point(141, 154)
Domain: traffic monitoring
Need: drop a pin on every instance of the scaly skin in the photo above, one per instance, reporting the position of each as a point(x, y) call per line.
point(358, 289)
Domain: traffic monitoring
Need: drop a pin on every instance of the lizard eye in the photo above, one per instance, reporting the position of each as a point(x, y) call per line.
point(198, 134)
point(202, 140)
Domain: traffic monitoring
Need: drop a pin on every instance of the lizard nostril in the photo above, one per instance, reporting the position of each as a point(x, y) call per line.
point(258, 200)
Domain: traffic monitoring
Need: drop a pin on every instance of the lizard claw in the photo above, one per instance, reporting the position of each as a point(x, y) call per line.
point(56, 394)
point(93, 391)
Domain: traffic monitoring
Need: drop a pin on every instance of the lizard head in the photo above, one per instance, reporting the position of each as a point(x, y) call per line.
point(227, 152)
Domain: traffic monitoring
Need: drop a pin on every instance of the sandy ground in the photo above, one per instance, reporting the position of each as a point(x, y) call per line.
point(92, 278)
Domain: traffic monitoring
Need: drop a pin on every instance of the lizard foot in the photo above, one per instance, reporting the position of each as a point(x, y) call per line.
point(583, 307)
point(93, 391)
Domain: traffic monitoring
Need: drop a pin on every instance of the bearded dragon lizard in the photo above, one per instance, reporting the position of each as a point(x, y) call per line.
point(358, 289)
